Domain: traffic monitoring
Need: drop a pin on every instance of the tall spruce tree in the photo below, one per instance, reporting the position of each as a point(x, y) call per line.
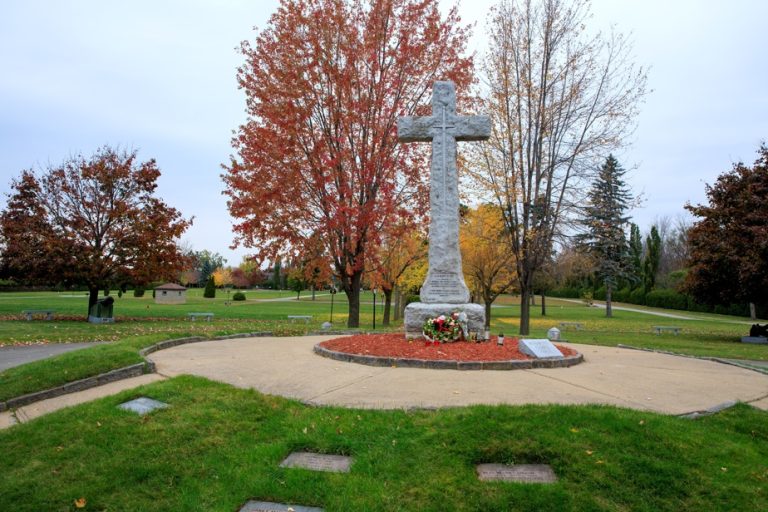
point(604, 222)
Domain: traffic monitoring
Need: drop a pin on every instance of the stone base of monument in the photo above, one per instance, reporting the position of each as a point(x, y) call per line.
point(416, 313)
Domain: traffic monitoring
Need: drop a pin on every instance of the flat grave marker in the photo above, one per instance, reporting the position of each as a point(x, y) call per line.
point(540, 349)
point(524, 473)
point(143, 405)
point(318, 462)
point(267, 506)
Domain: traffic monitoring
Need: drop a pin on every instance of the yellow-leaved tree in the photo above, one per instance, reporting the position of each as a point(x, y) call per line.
point(489, 265)
point(222, 276)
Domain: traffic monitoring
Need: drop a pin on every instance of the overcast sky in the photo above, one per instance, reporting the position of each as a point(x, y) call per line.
point(159, 76)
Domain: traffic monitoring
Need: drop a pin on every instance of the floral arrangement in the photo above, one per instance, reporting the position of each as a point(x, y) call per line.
point(445, 328)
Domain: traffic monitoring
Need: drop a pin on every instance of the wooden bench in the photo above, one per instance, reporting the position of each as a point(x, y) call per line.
point(29, 313)
point(306, 318)
point(658, 329)
point(194, 316)
point(576, 325)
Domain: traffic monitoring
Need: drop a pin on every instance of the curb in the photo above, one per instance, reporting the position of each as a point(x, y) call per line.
point(702, 358)
point(126, 372)
point(442, 364)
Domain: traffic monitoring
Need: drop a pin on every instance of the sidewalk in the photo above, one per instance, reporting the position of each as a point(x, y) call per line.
point(625, 378)
point(287, 367)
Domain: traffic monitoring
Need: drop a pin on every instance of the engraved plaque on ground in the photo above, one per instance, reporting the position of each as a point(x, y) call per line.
point(266, 506)
point(318, 462)
point(143, 405)
point(540, 349)
point(525, 473)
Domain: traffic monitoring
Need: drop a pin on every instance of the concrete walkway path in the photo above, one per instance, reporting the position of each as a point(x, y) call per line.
point(37, 409)
point(17, 355)
point(288, 367)
point(626, 378)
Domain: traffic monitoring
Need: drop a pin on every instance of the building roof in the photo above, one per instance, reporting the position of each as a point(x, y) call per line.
point(170, 286)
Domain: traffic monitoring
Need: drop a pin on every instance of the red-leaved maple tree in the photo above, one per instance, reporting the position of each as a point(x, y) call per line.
point(92, 222)
point(318, 157)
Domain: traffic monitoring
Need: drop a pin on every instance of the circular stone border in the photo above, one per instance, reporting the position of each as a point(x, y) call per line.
point(449, 364)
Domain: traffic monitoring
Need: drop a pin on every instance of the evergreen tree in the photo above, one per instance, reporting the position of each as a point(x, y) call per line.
point(636, 253)
point(210, 289)
point(276, 280)
point(652, 258)
point(604, 222)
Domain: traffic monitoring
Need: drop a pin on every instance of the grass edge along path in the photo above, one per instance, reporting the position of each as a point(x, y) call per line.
point(217, 446)
point(74, 366)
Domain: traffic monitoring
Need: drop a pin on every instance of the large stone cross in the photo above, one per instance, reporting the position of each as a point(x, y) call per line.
point(445, 279)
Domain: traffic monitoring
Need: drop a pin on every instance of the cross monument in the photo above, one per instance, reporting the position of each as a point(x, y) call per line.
point(444, 290)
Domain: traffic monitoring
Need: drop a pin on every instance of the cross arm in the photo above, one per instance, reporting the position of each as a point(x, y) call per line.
point(414, 129)
point(473, 128)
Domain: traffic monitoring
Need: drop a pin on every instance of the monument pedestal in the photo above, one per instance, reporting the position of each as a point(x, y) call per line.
point(416, 313)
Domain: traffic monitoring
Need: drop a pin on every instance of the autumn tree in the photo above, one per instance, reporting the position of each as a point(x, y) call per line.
point(206, 263)
point(559, 100)
point(240, 278)
point(94, 222)
point(325, 83)
point(401, 247)
point(729, 243)
point(295, 280)
point(222, 276)
point(488, 263)
point(604, 221)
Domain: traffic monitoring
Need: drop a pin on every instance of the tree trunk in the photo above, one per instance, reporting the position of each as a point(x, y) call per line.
point(752, 311)
point(398, 299)
point(525, 311)
point(353, 297)
point(533, 298)
point(488, 314)
point(608, 308)
point(543, 305)
point(93, 297)
point(387, 306)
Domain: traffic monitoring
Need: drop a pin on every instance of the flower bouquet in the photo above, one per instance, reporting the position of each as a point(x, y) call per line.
point(445, 328)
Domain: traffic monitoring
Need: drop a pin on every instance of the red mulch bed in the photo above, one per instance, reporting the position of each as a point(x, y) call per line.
point(395, 345)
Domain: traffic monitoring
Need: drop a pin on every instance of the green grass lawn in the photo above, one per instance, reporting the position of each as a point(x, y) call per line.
point(218, 446)
point(141, 322)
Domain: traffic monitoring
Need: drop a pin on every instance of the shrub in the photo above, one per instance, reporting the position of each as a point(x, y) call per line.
point(412, 298)
point(599, 294)
point(238, 296)
point(138, 291)
point(637, 297)
point(667, 299)
point(210, 289)
point(622, 295)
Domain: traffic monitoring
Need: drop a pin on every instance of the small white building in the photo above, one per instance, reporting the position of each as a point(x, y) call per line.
point(170, 293)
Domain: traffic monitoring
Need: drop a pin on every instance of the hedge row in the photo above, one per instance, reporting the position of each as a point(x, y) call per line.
point(666, 299)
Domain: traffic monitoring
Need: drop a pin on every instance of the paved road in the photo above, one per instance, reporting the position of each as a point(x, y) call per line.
point(16, 356)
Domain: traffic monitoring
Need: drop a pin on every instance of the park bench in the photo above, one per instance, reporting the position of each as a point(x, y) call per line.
point(195, 316)
point(576, 325)
point(306, 318)
point(29, 313)
point(658, 329)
